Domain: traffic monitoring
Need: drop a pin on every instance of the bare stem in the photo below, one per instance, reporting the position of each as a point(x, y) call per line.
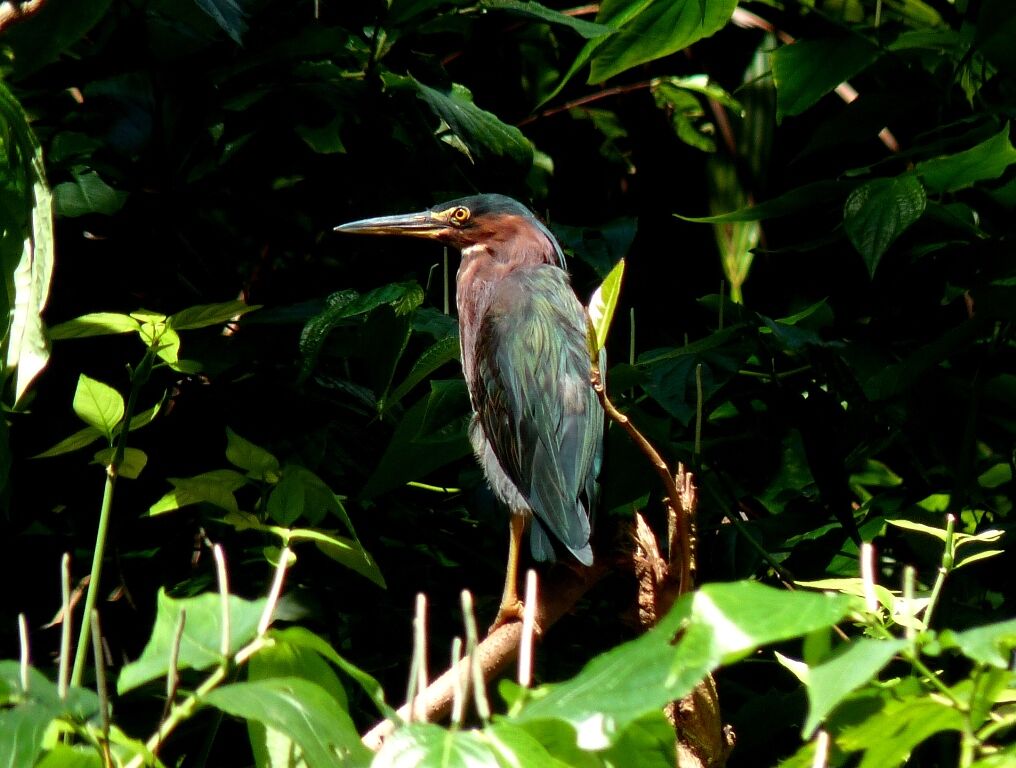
point(25, 656)
point(666, 477)
point(66, 626)
point(943, 569)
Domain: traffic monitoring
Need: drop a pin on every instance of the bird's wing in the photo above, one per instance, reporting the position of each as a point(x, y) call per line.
point(534, 399)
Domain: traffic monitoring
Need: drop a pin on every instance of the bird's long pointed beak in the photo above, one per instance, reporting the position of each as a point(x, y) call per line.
point(422, 224)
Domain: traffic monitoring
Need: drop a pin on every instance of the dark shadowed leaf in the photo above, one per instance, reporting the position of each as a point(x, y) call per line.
point(879, 211)
point(228, 14)
point(809, 196)
point(88, 193)
point(988, 160)
point(533, 10)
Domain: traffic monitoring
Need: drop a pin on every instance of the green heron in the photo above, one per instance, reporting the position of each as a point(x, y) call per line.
point(537, 428)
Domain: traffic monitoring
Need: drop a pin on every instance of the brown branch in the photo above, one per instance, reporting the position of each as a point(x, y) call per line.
point(617, 90)
point(684, 533)
point(563, 588)
point(11, 13)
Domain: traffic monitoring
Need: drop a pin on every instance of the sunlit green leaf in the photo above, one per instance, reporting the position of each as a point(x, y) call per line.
point(215, 487)
point(832, 681)
point(604, 302)
point(652, 29)
point(989, 644)
point(209, 314)
point(716, 625)
point(98, 405)
point(202, 635)
point(134, 460)
point(302, 710)
point(80, 439)
point(94, 324)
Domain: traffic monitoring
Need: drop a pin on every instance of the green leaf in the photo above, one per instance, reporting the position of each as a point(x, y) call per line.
point(41, 38)
point(302, 710)
point(282, 659)
point(990, 644)
point(603, 304)
point(482, 133)
point(832, 681)
point(27, 276)
point(984, 555)
point(215, 487)
point(228, 14)
point(259, 463)
point(652, 29)
point(413, 453)
point(201, 639)
point(205, 315)
point(533, 10)
point(80, 439)
point(426, 744)
point(94, 324)
point(88, 193)
point(134, 461)
point(794, 201)
point(98, 405)
point(987, 160)
point(718, 624)
point(442, 351)
point(285, 503)
point(307, 639)
point(23, 729)
point(63, 756)
point(879, 211)
point(806, 70)
point(887, 737)
point(342, 305)
point(348, 552)
point(146, 417)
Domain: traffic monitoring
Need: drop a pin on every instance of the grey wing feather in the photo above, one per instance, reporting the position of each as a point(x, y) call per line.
point(536, 407)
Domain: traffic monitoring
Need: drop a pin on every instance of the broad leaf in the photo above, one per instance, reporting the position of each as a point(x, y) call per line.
point(806, 70)
point(794, 201)
point(991, 644)
point(307, 639)
point(426, 744)
point(533, 10)
point(988, 160)
point(302, 710)
point(438, 354)
point(718, 624)
point(94, 324)
point(88, 193)
point(652, 29)
point(879, 211)
point(604, 302)
point(832, 681)
point(482, 134)
point(80, 439)
point(215, 487)
point(98, 405)
point(258, 463)
point(206, 315)
point(27, 270)
point(134, 461)
point(201, 639)
point(228, 14)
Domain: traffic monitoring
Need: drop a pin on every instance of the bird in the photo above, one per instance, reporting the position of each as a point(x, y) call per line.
point(526, 353)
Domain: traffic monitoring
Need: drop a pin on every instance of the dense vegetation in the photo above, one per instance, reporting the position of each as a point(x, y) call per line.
point(816, 318)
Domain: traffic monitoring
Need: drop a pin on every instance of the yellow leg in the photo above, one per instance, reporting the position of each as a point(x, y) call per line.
point(511, 606)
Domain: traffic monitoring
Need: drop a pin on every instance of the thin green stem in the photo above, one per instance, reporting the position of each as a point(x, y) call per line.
point(943, 570)
point(941, 687)
point(138, 377)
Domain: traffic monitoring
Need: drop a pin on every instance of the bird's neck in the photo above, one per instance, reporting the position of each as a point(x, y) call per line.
point(479, 272)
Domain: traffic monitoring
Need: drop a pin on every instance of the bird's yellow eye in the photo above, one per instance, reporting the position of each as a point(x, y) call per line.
point(460, 216)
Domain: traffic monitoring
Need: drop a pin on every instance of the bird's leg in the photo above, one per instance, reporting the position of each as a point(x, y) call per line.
point(511, 606)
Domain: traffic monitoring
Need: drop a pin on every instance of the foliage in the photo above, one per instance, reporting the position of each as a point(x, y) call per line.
point(832, 356)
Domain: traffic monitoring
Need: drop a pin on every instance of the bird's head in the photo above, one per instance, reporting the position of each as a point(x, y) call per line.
point(500, 225)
